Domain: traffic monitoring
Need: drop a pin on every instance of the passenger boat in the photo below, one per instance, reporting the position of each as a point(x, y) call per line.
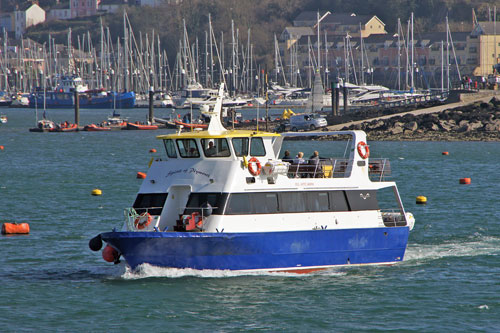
point(223, 200)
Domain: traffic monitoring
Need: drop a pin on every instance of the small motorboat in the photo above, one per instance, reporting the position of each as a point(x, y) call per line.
point(139, 126)
point(96, 128)
point(65, 127)
point(189, 125)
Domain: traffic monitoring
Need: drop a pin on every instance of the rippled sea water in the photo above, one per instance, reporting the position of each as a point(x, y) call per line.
point(51, 281)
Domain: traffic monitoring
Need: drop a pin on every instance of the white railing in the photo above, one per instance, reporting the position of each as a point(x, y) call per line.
point(393, 218)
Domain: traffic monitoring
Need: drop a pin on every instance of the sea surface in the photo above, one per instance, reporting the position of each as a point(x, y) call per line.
point(50, 281)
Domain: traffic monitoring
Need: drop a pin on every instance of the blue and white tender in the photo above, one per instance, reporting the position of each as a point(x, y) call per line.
point(237, 206)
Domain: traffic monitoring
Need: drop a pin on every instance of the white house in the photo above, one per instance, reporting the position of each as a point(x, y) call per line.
point(25, 16)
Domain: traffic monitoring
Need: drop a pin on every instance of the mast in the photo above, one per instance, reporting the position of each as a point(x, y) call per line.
point(412, 56)
point(399, 54)
point(210, 31)
point(125, 53)
point(361, 74)
point(442, 66)
point(319, 48)
point(447, 55)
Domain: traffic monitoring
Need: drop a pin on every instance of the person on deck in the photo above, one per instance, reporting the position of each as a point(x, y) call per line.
point(287, 157)
point(211, 151)
point(299, 159)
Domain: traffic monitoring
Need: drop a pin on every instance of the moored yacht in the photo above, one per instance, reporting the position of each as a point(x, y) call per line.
point(224, 200)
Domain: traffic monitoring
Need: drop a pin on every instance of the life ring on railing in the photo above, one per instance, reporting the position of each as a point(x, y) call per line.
point(143, 220)
point(257, 164)
point(363, 150)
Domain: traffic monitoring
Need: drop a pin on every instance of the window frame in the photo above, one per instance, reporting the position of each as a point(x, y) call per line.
point(257, 139)
point(165, 142)
point(177, 141)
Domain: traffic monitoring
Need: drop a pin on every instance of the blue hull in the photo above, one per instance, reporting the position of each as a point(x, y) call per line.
point(292, 250)
point(57, 100)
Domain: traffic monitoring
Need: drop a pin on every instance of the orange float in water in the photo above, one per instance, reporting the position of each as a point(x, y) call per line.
point(152, 150)
point(464, 180)
point(2, 147)
point(15, 228)
point(141, 175)
point(110, 254)
point(445, 153)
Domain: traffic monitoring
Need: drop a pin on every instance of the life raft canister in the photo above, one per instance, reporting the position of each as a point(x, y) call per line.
point(257, 164)
point(363, 150)
point(193, 221)
point(143, 220)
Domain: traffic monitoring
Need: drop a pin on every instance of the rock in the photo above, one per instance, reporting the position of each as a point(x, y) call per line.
point(434, 127)
point(376, 124)
point(493, 126)
point(447, 125)
point(397, 128)
point(411, 126)
point(468, 127)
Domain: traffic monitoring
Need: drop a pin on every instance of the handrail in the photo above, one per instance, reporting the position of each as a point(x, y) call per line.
point(393, 218)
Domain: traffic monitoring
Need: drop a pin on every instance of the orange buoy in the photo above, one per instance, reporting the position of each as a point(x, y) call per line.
point(152, 150)
point(141, 175)
point(110, 254)
point(15, 228)
point(2, 147)
point(465, 181)
point(445, 153)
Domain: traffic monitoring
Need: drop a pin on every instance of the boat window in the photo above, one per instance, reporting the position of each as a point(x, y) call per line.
point(188, 148)
point(292, 202)
point(317, 201)
point(215, 147)
point(257, 147)
point(150, 202)
point(170, 148)
point(198, 201)
point(362, 200)
point(239, 203)
point(265, 203)
point(338, 202)
point(240, 146)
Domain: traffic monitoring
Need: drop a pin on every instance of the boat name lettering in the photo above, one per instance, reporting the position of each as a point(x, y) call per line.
point(198, 172)
point(188, 170)
point(304, 184)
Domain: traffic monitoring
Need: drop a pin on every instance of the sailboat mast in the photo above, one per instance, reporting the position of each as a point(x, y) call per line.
point(412, 56)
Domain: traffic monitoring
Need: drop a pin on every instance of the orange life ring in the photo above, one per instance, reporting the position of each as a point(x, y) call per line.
point(363, 150)
point(143, 220)
point(250, 167)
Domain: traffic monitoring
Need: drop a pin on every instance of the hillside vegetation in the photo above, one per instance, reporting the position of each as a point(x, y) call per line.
point(264, 18)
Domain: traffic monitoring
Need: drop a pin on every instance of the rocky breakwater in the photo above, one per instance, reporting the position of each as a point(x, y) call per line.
point(474, 122)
